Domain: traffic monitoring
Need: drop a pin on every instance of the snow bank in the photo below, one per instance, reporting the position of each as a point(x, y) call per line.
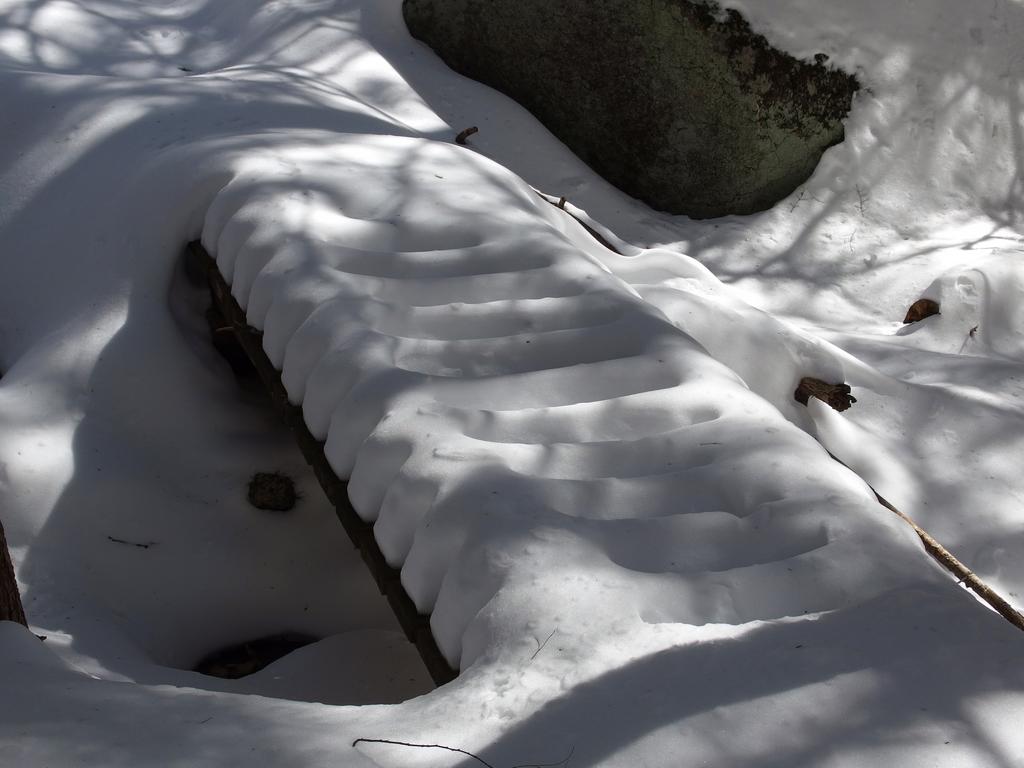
point(980, 308)
point(438, 327)
point(588, 466)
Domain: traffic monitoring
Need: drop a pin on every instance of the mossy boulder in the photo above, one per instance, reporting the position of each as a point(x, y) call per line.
point(678, 103)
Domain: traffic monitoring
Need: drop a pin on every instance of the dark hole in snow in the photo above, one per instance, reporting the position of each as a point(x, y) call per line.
point(272, 490)
point(243, 659)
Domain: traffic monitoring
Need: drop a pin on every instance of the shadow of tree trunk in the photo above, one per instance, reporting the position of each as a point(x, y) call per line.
point(10, 600)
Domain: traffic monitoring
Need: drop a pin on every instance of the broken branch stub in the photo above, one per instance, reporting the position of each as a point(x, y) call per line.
point(921, 309)
point(465, 134)
point(836, 396)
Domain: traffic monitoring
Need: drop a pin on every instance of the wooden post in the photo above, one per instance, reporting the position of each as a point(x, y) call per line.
point(10, 600)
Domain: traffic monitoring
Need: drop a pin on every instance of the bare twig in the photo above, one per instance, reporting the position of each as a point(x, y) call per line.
point(139, 544)
point(540, 647)
point(590, 230)
point(563, 762)
point(424, 746)
point(862, 198)
point(946, 559)
point(465, 134)
point(971, 334)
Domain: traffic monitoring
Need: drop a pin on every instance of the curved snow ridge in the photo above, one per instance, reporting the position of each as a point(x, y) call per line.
point(503, 404)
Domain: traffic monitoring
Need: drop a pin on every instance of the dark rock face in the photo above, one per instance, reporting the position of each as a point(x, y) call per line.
point(677, 103)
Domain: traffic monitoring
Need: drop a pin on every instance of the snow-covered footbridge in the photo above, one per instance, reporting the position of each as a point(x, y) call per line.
point(518, 424)
point(586, 470)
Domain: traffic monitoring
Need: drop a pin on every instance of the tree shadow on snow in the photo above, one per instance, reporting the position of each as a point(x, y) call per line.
point(930, 128)
point(891, 674)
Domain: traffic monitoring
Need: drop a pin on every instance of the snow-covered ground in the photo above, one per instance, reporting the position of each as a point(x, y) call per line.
point(589, 467)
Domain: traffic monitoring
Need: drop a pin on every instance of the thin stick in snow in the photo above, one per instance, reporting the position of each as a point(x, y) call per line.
point(541, 646)
point(562, 762)
point(947, 560)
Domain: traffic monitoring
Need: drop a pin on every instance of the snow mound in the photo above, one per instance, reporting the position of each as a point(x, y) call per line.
point(980, 308)
point(524, 488)
point(503, 405)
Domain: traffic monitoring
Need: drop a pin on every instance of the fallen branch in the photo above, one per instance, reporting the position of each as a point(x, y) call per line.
point(560, 205)
point(424, 746)
point(947, 560)
point(964, 575)
point(540, 647)
point(465, 134)
point(139, 544)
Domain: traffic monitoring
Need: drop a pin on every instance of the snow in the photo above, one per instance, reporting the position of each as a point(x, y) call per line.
point(589, 467)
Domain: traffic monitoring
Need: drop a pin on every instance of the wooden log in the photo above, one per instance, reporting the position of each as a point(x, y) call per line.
point(415, 625)
point(921, 309)
point(11, 608)
point(465, 134)
point(837, 396)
